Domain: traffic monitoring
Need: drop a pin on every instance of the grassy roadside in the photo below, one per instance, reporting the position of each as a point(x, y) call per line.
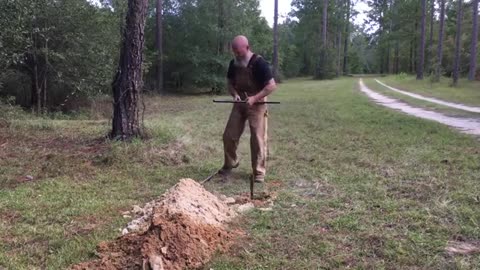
point(466, 92)
point(359, 186)
point(372, 84)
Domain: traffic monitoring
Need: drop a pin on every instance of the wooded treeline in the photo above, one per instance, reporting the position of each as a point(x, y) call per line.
point(53, 52)
point(409, 36)
point(426, 38)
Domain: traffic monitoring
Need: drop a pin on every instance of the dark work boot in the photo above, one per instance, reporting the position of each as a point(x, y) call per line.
point(225, 171)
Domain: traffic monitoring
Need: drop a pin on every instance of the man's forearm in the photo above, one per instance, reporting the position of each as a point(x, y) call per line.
point(269, 88)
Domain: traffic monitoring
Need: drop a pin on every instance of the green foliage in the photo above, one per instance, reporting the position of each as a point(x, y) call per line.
point(82, 38)
point(396, 24)
point(402, 75)
point(79, 39)
point(302, 52)
point(196, 41)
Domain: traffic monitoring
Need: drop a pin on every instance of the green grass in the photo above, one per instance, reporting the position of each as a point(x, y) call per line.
point(359, 185)
point(466, 92)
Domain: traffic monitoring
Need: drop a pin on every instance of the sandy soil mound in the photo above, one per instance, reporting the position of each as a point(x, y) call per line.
point(183, 229)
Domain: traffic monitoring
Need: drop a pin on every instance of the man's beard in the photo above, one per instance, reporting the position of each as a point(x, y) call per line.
point(242, 61)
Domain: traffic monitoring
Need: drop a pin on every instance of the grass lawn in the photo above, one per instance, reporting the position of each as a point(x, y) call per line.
point(359, 186)
point(466, 92)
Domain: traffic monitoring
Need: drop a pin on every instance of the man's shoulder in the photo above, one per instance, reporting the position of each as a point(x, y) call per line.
point(260, 62)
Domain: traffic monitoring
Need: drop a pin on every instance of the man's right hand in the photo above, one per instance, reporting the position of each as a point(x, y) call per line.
point(237, 98)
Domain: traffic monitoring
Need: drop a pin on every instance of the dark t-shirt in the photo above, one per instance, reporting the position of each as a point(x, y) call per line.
point(260, 69)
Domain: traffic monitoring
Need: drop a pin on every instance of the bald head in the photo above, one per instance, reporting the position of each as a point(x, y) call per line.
point(239, 41)
point(241, 48)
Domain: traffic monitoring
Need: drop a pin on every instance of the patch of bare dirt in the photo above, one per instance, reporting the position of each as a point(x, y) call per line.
point(10, 216)
point(172, 154)
point(32, 157)
point(181, 230)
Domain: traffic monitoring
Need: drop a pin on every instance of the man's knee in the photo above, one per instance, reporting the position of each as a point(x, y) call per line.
point(228, 136)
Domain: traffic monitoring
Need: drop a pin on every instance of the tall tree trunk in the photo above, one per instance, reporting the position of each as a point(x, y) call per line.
point(45, 77)
point(275, 41)
point(338, 38)
point(324, 24)
point(390, 26)
point(473, 47)
point(382, 62)
point(438, 65)
point(35, 91)
point(324, 45)
point(159, 45)
point(221, 27)
point(339, 52)
point(347, 35)
point(421, 49)
point(456, 63)
point(128, 83)
point(429, 55)
point(410, 57)
point(38, 89)
point(414, 62)
point(396, 57)
point(387, 62)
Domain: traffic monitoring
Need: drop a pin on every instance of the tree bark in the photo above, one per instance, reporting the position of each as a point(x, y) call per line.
point(396, 60)
point(324, 24)
point(159, 45)
point(456, 63)
point(382, 61)
point(275, 41)
point(421, 49)
point(221, 27)
point(322, 63)
point(438, 65)
point(414, 60)
point(410, 57)
point(128, 82)
point(428, 56)
point(473, 47)
point(338, 38)
point(339, 52)
point(347, 35)
point(45, 76)
point(387, 62)
point(35, 93)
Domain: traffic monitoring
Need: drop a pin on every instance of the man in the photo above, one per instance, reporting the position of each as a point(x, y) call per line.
point(249, 79)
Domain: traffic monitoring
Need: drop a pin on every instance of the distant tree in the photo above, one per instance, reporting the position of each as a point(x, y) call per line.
point(458, 35)
point(428, 55)
point(159, 45)
point(346, 41)
point(473, 46)
point(441, 31)
point(275, 40)
point(421, 49)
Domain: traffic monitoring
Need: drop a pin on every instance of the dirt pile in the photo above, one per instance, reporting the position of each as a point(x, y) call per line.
point(183, 229)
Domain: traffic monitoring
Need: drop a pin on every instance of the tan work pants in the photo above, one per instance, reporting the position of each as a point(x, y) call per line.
point(257, 119)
